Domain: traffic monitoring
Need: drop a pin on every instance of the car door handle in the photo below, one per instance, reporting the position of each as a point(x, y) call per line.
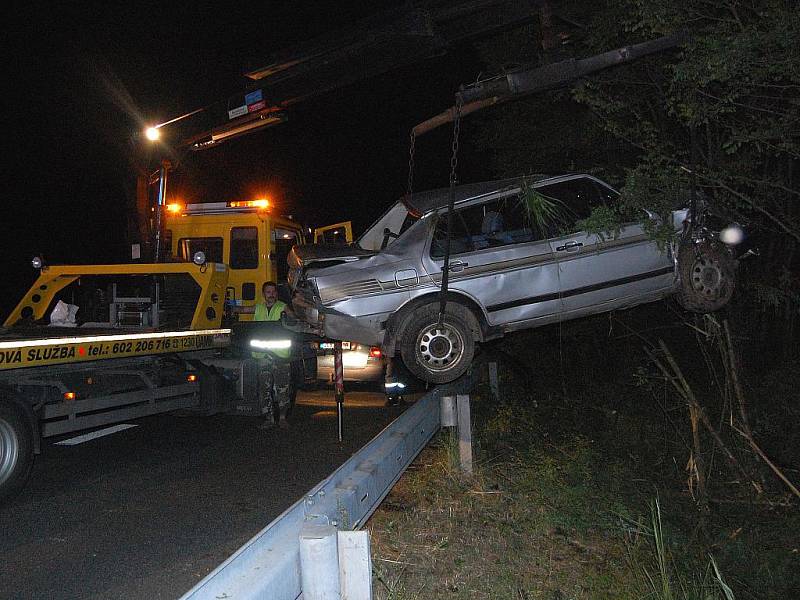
point(456, 266)
point(569, 247)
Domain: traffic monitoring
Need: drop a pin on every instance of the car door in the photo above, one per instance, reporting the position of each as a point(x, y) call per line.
point(497, 259)
point(602, 272)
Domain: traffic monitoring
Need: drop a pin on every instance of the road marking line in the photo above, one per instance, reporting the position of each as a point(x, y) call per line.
point(95, 434)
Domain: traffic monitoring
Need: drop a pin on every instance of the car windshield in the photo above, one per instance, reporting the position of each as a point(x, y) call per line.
point(383, 232)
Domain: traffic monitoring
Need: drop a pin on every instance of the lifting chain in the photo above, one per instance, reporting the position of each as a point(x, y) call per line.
point(410, 188)
point(450, 205)
point(454, 158)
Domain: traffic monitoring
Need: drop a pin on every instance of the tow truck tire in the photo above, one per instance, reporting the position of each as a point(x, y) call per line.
point(437, 353)
point(707, 277)
point(16, 449)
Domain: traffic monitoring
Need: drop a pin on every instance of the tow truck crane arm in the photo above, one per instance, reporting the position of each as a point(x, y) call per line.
point(396, 38)
point(555, 75)
point(378, 44)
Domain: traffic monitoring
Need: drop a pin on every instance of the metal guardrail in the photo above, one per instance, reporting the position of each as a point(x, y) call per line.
point(268, 566)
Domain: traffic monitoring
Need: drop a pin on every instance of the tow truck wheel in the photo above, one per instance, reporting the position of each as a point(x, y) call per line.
point(434, 352)
point(16, 449)
point(707, 275)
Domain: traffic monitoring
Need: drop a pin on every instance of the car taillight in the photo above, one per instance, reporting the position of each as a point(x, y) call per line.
point(375, 352)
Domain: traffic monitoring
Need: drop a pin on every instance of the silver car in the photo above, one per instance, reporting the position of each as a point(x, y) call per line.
point(518, 259)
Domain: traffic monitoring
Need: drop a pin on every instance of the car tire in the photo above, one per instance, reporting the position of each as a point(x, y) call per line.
point(16, 449)
point(707, 277)
point(437, 354)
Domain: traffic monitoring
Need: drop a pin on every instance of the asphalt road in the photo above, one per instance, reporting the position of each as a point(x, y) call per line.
point(149, 511)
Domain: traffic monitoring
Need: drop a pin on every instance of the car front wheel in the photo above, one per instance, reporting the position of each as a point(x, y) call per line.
point(707, 277)
point(437, 352)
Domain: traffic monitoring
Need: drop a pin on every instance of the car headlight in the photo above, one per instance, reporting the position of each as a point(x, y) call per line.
point(732, 235)
point(271, 344)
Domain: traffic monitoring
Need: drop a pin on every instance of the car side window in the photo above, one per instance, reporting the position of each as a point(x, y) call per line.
point(499, 222)
point(460, 241)
point(576, 198)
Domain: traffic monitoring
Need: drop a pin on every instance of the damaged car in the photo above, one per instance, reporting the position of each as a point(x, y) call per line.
point(520, 257)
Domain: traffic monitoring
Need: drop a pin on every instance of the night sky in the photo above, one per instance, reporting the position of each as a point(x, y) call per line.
point(81, 82)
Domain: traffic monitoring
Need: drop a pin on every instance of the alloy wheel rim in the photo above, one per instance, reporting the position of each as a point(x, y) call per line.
point(440, 347)
point(707, 277)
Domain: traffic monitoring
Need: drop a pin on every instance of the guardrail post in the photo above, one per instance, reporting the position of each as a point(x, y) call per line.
point(454, 412)
point(494, 384)
point(447, 411)
point(355, 565)
point(319, 562)
point(464, 433)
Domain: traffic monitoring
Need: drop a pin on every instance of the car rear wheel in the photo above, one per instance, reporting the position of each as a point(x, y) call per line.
point(16, 449)
point(707, 273)
point(437, 352)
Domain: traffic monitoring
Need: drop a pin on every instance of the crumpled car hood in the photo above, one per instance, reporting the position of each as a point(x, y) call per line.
point(319, 255)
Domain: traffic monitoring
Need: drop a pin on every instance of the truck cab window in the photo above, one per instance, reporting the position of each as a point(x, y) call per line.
point(167, 242)
point(244, 248)
point(282, 241)
point(211, 246)
point(335, 236)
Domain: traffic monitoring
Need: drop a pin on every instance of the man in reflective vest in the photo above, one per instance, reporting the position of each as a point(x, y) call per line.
point(271, 309)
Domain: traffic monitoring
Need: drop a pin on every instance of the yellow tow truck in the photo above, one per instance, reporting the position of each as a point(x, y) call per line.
point(92, 345)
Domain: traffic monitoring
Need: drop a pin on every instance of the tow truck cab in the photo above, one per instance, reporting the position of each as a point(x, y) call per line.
point(246, 236)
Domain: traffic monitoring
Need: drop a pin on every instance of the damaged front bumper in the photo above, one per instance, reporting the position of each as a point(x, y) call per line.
point(330, 323)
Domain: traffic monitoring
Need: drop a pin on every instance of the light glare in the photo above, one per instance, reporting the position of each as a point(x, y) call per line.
point(732, 235)
point(271, 344)
point(152, 133)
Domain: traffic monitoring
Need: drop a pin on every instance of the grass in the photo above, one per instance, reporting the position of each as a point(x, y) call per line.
point(440, 537)
point(582, 496)
point(527, 525)
point(662, 577)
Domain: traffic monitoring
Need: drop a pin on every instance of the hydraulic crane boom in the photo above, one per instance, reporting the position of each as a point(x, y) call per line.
point(559, 74)
point(378, 44)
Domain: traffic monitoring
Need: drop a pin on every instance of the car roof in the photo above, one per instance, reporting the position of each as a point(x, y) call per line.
point(424, 202)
